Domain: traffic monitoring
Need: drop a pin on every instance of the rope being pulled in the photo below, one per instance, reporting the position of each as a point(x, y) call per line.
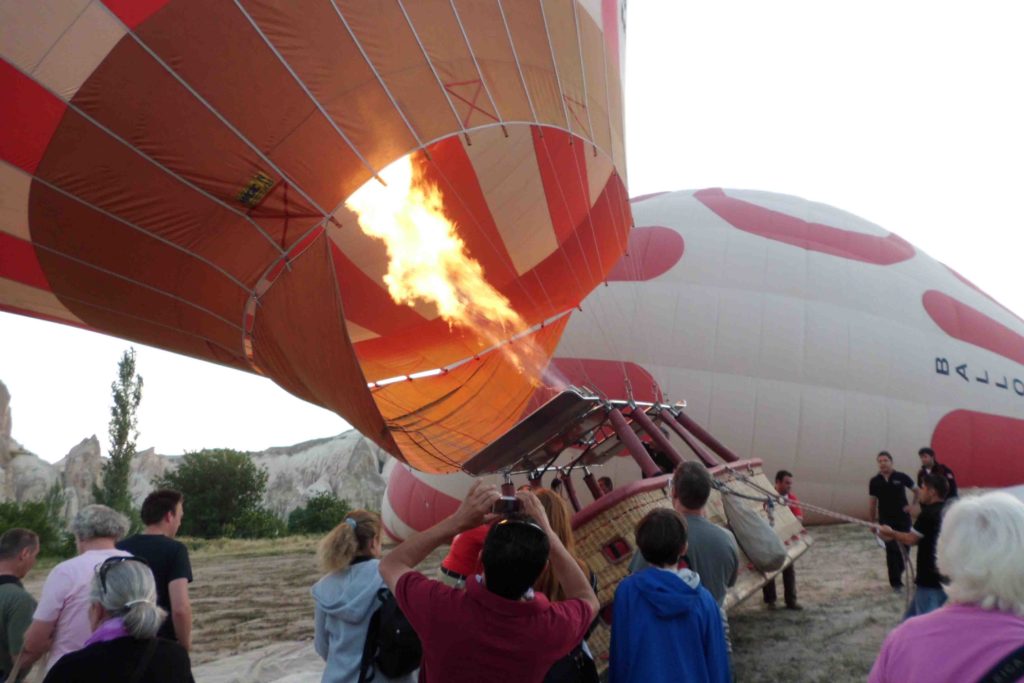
point(771, 498)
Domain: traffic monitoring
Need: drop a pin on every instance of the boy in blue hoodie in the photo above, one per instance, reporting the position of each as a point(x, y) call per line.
point(666, 626)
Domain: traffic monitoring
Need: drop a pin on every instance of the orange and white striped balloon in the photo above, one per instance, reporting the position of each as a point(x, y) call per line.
point(174, 172)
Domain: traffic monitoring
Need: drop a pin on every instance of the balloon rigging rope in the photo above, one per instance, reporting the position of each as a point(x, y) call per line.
point(771, 498)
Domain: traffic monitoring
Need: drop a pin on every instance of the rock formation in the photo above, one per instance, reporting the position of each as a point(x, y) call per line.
point(5, 439)
point(5, 424)
point(30, 476)
point(347, 465)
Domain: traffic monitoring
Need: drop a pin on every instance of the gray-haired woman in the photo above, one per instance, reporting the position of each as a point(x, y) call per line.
point(124, 646)
point(977, 635)
point(61, 622)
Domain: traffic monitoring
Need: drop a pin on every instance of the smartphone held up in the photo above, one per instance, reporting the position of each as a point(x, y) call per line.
point(507, 505)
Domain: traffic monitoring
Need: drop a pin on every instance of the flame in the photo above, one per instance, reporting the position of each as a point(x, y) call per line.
point(427, 261)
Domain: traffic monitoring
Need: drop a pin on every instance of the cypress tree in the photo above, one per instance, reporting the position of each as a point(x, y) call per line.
point(123, 431)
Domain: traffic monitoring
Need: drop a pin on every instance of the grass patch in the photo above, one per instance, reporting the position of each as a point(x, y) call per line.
point(208, 548)
point(213, 548)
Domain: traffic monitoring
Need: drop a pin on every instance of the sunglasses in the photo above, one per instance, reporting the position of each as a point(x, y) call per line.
point(521, 521)
point(105, 566)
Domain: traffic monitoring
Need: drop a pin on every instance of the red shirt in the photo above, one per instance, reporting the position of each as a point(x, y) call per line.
point(795, 509)
point(474, 635)
point(464, 555)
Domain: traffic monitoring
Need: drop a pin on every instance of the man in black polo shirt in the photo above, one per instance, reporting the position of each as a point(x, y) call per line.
point(888, 491)
point(162, 512)
point(929, 465)
point(928, 592)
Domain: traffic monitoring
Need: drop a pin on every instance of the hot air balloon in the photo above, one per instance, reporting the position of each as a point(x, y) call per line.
point(176, 173)
point(796, 333)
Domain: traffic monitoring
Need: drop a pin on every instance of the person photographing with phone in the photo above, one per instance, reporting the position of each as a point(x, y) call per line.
point(497, 624)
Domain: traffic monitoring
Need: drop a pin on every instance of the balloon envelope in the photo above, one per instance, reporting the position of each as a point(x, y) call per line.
point(174, 171)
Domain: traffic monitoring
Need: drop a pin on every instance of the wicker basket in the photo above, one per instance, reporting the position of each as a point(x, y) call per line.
point(617, 524)
point(606, 541)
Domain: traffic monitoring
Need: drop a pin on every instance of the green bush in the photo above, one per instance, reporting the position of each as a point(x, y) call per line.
point(66, 546)
point(43, 517)
point(259, 523)
point(223, 489)
point(323, 512)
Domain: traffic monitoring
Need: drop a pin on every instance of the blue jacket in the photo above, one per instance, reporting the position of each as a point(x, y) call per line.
point(667, 627)
point(345, 602)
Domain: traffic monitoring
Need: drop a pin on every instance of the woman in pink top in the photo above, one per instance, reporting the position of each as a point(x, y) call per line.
point(61, 622)
point(981, 550)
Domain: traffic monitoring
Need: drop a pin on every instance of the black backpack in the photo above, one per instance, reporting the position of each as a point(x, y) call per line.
point(575, 667)
point(392, 646)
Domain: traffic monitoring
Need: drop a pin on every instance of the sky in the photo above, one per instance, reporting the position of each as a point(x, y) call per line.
point(905, 113)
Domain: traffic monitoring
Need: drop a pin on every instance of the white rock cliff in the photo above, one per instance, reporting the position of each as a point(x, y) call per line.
point(347, 465)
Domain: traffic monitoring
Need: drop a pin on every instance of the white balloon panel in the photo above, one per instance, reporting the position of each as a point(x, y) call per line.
point(808, 337)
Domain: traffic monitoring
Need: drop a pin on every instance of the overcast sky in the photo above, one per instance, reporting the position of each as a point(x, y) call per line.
point(906, 113)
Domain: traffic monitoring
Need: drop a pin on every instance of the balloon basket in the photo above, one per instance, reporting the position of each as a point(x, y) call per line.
point(605, 537)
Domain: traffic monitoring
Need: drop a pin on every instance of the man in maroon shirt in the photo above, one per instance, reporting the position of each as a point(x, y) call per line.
point(497, 626)
point(929, 465)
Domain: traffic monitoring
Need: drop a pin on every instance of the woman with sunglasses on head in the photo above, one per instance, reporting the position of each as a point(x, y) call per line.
point(346, 597)
point(123, 647)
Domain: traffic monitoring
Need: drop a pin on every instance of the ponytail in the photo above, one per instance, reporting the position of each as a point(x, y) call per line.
point(353, 536)
point(142, 619)
point(124, 587)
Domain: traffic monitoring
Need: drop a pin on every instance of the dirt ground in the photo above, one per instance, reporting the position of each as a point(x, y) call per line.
point(841, 583)
point(848, 610)
point(247, 596)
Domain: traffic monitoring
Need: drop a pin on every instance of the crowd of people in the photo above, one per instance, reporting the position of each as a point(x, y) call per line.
point(514, 597)
point(117, 611)
point(512, 594)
